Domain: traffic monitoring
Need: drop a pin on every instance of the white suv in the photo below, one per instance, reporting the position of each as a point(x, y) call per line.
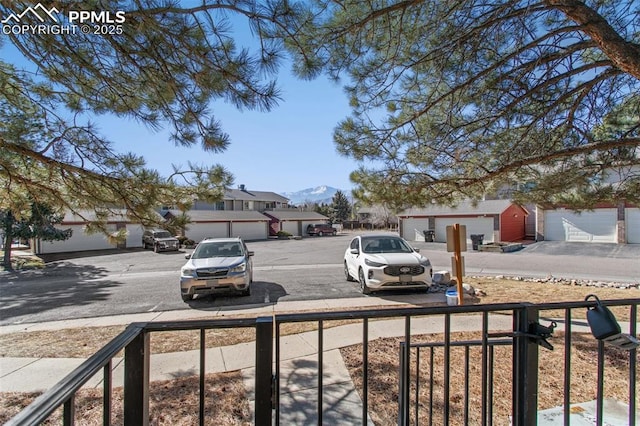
point(217, 264)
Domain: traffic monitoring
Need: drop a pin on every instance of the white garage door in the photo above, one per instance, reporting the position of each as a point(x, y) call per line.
point(134, 235)
point(79, 241)
point(413, 228)
point(475, 225)
point(632, 225)
point(290, 226)
point(249, 230)
point(199, 231)
point(565, 225)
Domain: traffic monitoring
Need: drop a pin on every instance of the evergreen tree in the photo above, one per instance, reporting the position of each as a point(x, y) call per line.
point(340, 208)
point(459, 99)
point(39, 223)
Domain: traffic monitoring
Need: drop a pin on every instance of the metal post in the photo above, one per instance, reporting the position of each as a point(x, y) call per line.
point(402, 398)
point(136, 381)
point(264, 376)
point(525, 367)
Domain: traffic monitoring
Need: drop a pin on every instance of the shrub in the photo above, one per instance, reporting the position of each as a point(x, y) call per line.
point(284, 234)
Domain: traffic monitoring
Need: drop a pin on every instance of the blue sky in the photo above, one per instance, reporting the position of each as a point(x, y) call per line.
point(287, 149)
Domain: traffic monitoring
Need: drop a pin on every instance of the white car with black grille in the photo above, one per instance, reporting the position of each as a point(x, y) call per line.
point(386, 262)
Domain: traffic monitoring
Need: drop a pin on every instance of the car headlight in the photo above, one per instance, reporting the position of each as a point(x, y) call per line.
point(373, 264)
point(188, 272)
point(425, 262)
point(239, 268)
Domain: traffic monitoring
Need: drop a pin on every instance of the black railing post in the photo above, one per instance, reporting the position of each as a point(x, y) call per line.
point(136, 380)
point(264, 375)
point(525, 368)
point(403, 398)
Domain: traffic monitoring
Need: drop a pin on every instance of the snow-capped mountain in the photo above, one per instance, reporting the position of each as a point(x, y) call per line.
point(322, 194)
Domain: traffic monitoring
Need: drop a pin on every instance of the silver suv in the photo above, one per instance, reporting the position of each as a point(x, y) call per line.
point(217, 264)
point(160, 240)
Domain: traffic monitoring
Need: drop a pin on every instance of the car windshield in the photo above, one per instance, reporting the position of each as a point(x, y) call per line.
point(385, 245)
point(162, 234)
point(217, 249)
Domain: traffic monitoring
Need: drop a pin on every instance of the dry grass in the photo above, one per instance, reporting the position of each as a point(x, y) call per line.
point(171, 403)
point(383, 378)
point(176, 402)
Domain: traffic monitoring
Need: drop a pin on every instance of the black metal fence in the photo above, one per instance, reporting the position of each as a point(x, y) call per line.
point(426, 370)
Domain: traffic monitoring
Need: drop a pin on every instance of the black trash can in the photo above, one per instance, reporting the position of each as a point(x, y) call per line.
point(476, 240)
point(429, 235)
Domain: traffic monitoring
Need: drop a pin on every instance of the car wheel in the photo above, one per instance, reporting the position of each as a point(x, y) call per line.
point(363, 284)
point(346, 272)
point(247, 291)
point(187, 297)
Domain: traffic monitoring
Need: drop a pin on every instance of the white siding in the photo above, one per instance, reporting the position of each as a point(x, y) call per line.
point(475, 225)
point(79, 241)
point(199, 231)
point(632, 225)
point(249, 230)
point(412, 228)
point(599, 226)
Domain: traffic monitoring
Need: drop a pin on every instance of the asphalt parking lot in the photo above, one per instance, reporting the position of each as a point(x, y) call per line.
point(136, 280)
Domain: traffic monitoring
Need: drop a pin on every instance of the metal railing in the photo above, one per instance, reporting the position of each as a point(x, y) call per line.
point(521, 335)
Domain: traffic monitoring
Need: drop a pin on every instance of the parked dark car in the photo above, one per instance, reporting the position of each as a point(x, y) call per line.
point(160, 240)
point(321, 229)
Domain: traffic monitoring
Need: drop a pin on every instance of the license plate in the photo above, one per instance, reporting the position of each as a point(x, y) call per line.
point(406, 279)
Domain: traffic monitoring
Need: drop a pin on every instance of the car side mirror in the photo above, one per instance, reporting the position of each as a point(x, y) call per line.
point(417, 250)
point(354, 251)
point(250, 253)
point(187, 256)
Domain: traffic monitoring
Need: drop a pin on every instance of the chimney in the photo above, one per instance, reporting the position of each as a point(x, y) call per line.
point(242, 187)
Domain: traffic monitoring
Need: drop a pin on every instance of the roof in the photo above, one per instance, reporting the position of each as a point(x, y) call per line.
point(247, 195)
point(221, 215)
point(295, 214)
point(113, 215)
point(463, 208)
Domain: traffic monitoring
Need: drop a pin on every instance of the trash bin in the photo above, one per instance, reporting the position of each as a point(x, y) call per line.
point(452, 297)
point(429, 235)
point(476, 240)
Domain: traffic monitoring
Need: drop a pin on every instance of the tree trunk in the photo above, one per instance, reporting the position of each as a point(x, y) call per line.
point(8, 239)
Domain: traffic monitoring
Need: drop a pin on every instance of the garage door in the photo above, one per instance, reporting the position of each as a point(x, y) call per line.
point(412, 228)
point(291, 226)
point(475, 225)
point(565, 225)
point(79, 241)
point(199, 231)
point(134, 236)
point(249, 230)
point(632, 225)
